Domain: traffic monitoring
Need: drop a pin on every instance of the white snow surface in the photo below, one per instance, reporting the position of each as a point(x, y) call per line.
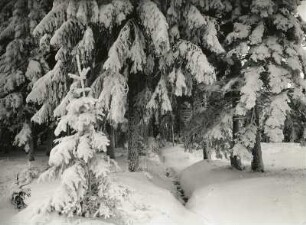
point(224, 196)
point(151, 201)
point(218, 195)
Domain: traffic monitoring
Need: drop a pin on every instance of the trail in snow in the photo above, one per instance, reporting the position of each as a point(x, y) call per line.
point(179, 192)
point(176, 160)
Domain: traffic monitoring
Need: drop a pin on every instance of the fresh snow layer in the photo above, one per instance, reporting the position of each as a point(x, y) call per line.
point(177, 159)
point(9, 168)
point(224, 196)
point(160, 207)
point(151, 201)
point(261, 200)
point(218, 195)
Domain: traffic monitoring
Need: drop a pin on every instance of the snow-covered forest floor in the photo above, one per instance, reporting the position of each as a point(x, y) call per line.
point(223, 196)
point(218, 195)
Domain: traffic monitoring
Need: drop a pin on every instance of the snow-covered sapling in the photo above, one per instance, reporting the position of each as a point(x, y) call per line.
point(80, 159)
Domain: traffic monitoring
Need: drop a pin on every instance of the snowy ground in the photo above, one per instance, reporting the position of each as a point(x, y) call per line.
point(224, 196)
point(152, 197)
point(217, 194)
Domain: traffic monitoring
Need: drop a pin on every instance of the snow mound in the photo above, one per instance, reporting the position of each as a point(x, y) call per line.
point(159, 204)
point(151, 200)
point(205, 173)
point(279, 156)
point(149, 204)
point(262, 200)
point(178, 159)
point(230, 197)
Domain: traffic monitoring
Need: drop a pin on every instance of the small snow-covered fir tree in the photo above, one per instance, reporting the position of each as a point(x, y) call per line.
point(80, 159)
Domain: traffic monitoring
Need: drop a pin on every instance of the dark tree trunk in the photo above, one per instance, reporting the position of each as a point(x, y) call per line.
point(133, 134)
point(172, 134)
point(31, 144)
point(133, 153)
point(234, 159)
point(257, 162)
point(31, 151)
point(112, 142)
point(50, 142)
point(206, 152)
point(303, 139)
point(145, 131)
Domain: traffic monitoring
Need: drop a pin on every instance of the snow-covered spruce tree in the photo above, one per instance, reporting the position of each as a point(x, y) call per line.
point(49, 89)
point(141, 41)
point(20, 65)
point(87, 28)
point(198, 23)
point(187, 67)
point(267, 41)
point(80, 159)
point(295, 123)
point(139, 49)
point(74, 27)
point(143, 48)
point(177, 69)
point(210, 127)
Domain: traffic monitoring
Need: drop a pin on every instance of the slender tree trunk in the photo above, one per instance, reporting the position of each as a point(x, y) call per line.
point(31, 151)
point(234, 159)
point(172, 135)
point(31, 144)
point(257, 162)
point(133, 136)
point(303, 139)
point(133, 154)
point(206, 152)
point(135, 131)
point(50, 141)
point(146, 132)
point(111, 148)
point(172, 129)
